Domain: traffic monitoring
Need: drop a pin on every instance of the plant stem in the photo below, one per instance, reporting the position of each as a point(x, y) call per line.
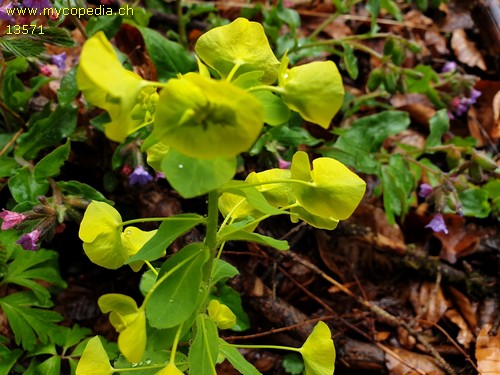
point(212, 220)
point(176, 342)
point(180, 22)
point(151, 219)
point(278, 347)
point(150, 266)
point(275, 89)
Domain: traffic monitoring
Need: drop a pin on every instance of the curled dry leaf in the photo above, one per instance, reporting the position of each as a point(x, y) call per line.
point(428, 301)
point(409, 363)
point(488, 352)
point(466, 50)
point(460, 241)
point(464, 335)
point(467, 309)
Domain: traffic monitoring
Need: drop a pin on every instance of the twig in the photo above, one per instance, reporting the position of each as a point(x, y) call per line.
point(10, 143)
point(380, 312)
point(281, 329)
point(454, 343)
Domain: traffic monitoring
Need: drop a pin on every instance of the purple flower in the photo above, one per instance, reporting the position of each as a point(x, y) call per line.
point(449, 66)
point(3, 12)
point(437, 224)
point(28, 241)
point(59, 60)
point(37, 4)
point(474, 94)
point(11, 219)
point(425, 190)
point(283, 164)
point(140, 176)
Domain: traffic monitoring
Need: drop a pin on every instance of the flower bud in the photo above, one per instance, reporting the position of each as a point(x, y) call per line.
point(483, 160)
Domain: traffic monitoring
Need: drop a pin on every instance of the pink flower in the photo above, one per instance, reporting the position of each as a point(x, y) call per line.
point(437, 224)
point(283, 164)
point(11, 219)
point(45, 70)
point(4, 14)
point(449, 66)
point(28, 241)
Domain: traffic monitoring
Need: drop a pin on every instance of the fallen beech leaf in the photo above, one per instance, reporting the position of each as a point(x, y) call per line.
point(428, 301)
point(464, 335)
point(488, 352)
point(466, 50)
point(495, 133)
point(467, 309)
point(460, 241)
point(424, 363)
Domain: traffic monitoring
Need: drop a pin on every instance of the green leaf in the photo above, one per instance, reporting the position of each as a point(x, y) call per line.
point(236, 359)
point(293, 364)
point(373, 7)
point(51, 366)
point(294, 137)
point(9, 359)
point(356, 145)
point(168, 231)
point(439, 125)
point(28, 322)
point(253, 196)
point(24, 187)
point(170, 58)
point(229, 234)
point(154, 358)
point(47, 131)
point(398, 183)
point(8, 166)
point(27, 268)
point(174, 297)
point(57, 36)
point(82, 190)
point(20, 47)
point(475, 202)
point(205, 347)
point(107, 24)
point(221, 271)
point(193, 177)
point(393, 9)
point(50, 165)
point(423, 83)
point(275, 111)
point(241, 43)
point(319, 352)
point(350, 61)
point(69, 89)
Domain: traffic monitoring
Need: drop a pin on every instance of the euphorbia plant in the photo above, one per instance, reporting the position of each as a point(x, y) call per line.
point(197, 126)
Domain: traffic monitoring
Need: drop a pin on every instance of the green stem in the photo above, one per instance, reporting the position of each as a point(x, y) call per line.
point(176, 343)
point(284, 181)
point(275, 89)
point(150, 266)
point(151, 219)
point(233, 72)
point(180, 23)
point(212, 220)
point(278, 347)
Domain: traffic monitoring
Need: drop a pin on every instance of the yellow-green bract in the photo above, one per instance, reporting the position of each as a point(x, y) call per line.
point(129, 321)
point(221, 314)
point(318, 351)
point(94, 360)
point(103, 240)
point(241, 43)
point(106, 84)
point(205, 118)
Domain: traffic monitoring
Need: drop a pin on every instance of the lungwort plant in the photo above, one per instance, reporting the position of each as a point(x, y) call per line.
point(196, 126)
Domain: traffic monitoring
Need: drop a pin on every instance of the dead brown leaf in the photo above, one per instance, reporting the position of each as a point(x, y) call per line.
point(464, 335)
point(488, 352)
point(467, 309)
point(428, 301)
point(461, 239)
point(410, 363)
point(466, 50)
